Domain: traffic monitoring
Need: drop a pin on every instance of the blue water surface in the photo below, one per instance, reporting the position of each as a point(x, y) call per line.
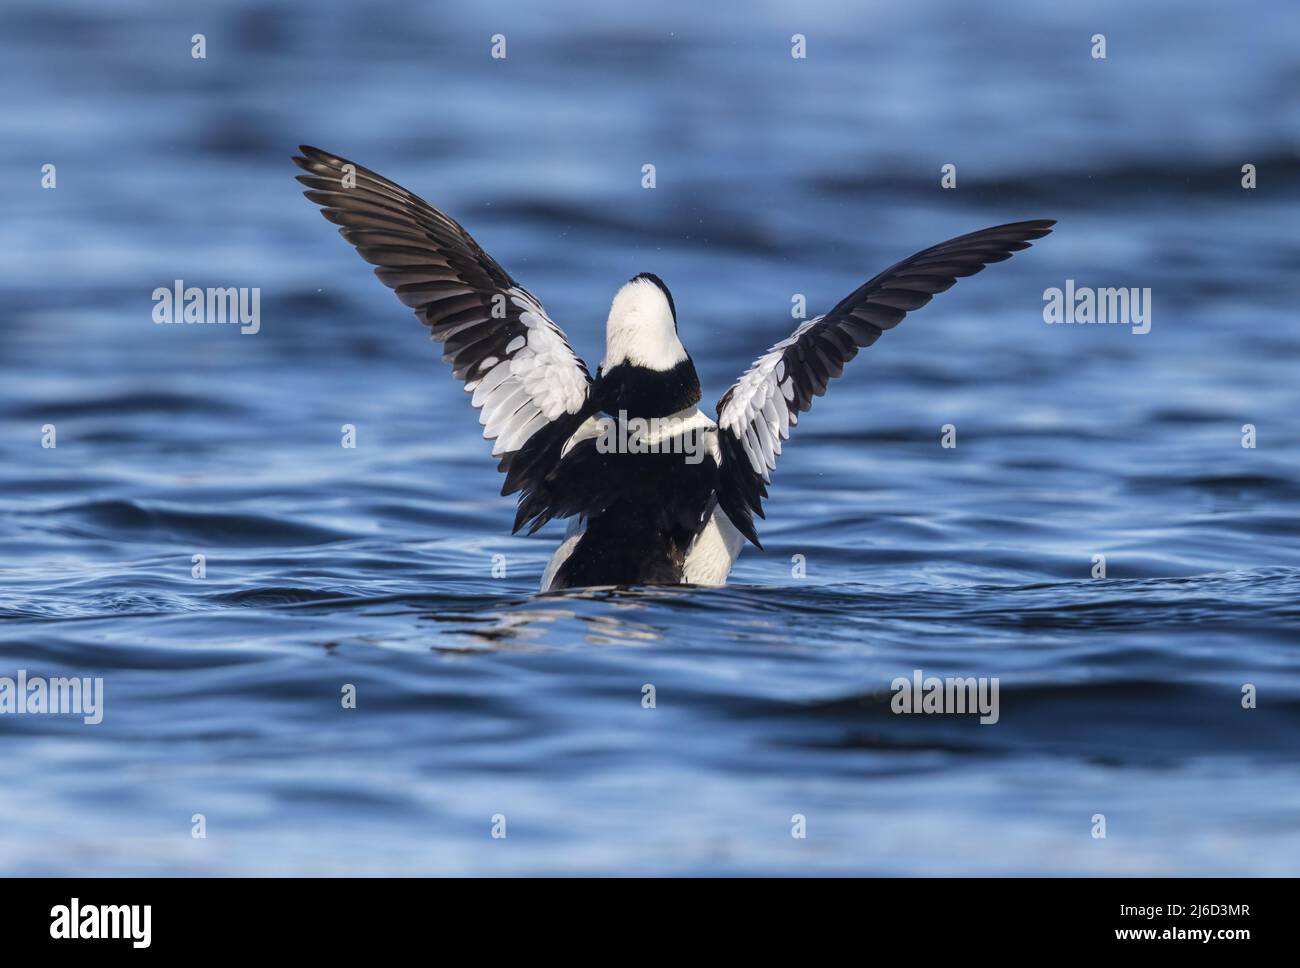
point(373, 566)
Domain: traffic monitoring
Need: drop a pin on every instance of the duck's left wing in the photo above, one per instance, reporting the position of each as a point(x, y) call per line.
point(756, 414)
point(527, 382)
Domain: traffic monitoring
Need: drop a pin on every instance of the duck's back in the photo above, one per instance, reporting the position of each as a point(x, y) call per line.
point(642, 518)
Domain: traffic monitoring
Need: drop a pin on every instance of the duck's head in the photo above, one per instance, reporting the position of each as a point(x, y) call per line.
point(642, 326)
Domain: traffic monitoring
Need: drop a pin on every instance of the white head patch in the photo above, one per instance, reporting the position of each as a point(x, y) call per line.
point(641, 330)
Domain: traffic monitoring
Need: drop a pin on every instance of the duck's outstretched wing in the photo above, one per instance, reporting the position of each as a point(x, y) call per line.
point(756, 414)
point(527, 382)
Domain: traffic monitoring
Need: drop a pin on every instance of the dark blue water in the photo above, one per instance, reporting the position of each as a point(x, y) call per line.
point(373, 566)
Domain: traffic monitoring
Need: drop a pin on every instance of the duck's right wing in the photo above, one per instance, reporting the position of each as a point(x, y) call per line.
point(756, 414)
point(529, 385)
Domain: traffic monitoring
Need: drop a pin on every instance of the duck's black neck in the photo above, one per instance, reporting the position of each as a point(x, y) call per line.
point(641, 392)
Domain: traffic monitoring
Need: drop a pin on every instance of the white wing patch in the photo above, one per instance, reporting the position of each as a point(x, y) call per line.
point(537, 380)
point(759, 413)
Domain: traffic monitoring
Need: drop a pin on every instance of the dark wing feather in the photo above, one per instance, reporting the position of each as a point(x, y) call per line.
point(756, 414)
point(529, 385)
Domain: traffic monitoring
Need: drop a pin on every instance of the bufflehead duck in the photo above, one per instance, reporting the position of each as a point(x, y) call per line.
point(656, 491)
